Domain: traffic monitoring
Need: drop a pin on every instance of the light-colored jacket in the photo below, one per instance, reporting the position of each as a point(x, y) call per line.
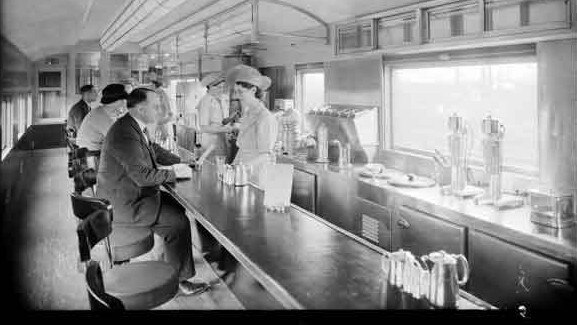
point(210, 112)
point(94, 128)
point(256, 137)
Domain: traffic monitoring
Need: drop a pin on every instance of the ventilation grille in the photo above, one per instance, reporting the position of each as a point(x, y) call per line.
point(370, 228)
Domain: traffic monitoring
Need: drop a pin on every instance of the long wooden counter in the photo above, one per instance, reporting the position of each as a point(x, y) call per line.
point(301, 260)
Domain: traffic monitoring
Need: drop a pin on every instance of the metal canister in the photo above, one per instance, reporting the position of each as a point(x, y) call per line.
point(490, 125)
point(456, 123)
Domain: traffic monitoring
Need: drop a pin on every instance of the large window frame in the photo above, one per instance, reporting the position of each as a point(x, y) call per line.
point(499, 56)
point(300, 71)
point(63, 111)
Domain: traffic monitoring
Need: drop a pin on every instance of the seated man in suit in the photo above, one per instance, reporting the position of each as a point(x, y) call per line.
point(129, 178)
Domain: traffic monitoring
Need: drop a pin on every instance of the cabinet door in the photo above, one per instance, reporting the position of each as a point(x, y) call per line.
point(374, 223)
point(355, 37)
point(304, 190)
point(509, 276)
point(422, 233)
point(336, 200)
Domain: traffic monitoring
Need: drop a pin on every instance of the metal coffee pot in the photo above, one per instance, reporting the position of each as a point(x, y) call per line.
point(444, 278)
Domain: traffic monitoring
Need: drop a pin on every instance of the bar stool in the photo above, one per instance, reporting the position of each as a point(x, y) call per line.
point(82, 167)
point(123, 243)
point(137, 285)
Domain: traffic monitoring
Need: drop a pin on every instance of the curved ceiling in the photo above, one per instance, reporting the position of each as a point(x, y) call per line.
point(40, 28)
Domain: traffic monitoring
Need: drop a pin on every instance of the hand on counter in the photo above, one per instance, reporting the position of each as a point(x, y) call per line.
point(182, 171)
point(186, 157)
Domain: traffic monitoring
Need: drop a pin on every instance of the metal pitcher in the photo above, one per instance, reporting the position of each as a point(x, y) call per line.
point(444, 279)
point(397, 263)
point(408, 272)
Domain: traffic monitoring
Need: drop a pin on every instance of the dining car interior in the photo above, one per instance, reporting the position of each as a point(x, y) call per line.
point(180, 157)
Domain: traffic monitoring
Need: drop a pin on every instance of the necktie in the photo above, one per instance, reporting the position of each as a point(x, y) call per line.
point(146, 136)
point(149, 145)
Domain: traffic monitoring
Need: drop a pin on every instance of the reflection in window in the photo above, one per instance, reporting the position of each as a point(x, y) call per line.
point(49, 79)
point(424, 97)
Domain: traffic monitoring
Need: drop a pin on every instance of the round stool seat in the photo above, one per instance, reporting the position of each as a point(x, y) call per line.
point(130, 242)
point(142, 285)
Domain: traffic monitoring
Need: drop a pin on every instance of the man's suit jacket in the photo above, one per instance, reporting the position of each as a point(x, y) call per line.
point(76, 114)
point(128, 176)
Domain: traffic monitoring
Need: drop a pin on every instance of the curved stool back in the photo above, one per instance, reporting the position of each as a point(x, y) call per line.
point(125, 242)
point(138, 285)
point(82, 167)
point(97, 296)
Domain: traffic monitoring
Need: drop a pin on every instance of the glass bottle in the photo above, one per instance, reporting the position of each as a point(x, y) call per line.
point(457, 140)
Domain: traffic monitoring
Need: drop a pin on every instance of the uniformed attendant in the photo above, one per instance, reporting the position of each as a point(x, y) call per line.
point(257, 128)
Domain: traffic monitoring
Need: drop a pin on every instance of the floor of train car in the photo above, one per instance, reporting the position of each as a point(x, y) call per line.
point(40, 244)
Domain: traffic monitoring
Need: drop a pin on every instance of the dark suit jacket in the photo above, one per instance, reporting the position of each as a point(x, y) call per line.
point(76, 115)
point(128, 176)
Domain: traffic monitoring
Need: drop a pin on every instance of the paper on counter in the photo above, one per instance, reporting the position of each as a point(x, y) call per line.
point(182, 171)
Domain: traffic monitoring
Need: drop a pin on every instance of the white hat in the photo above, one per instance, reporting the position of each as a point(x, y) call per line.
point(250, 75)
point(212, 79)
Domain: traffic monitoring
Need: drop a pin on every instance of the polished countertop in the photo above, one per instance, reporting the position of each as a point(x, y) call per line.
point(303, 261)
point(513, 225)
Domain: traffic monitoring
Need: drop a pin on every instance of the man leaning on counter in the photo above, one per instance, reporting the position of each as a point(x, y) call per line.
point(130, 179)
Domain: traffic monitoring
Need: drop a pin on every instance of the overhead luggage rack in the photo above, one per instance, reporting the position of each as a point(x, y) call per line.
point(210, 23)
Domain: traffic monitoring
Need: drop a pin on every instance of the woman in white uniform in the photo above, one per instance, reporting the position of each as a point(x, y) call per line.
point(211, 112)
point(257, 128)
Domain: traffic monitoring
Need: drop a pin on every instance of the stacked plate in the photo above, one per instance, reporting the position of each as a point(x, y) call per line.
point(378, 171)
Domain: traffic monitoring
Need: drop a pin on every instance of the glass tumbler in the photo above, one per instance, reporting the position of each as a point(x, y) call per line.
point(220, 162)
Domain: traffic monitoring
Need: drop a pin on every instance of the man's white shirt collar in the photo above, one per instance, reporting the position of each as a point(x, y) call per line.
point(140, 124)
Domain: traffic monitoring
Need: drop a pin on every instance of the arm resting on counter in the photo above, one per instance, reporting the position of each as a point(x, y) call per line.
point(129, 153)
point(163, 156)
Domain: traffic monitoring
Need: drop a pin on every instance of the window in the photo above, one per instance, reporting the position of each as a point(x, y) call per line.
point(423, 97)
point(86, 76)
point(185, 94)
point(310, 91)
point(49, 79)
point(15, 115)
point(50, 94)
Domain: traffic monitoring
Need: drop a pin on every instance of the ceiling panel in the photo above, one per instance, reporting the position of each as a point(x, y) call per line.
point(43, 27)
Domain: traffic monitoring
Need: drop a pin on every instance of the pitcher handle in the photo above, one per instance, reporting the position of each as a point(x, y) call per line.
point(461, 259)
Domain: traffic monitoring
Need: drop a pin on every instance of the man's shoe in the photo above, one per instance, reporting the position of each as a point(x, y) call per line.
point(218, 271)
point(188, 288)
point(210, 257)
